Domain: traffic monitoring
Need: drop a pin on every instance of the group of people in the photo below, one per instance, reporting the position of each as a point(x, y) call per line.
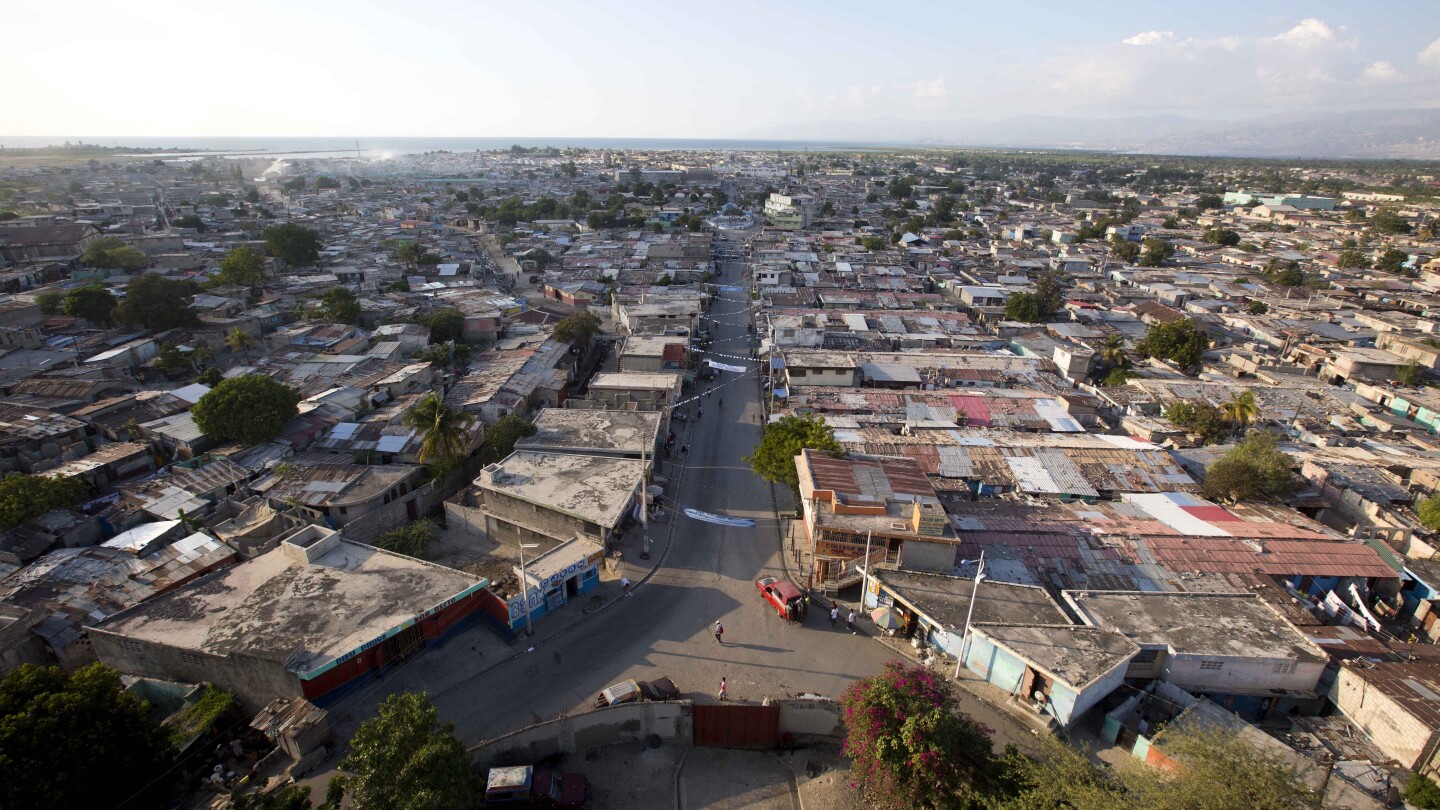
point(835, 616)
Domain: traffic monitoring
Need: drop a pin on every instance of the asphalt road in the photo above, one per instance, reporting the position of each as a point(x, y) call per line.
point(666, 626)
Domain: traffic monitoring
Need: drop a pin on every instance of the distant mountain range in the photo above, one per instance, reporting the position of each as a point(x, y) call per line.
point(1373, 134)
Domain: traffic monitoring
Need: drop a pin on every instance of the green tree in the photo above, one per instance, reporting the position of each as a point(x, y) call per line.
point(239, 341)
point(1422, 792)
point(1117, 376)
point(24, 496)
point(1388, 222)
point(908, 743)
point(190, 221)
point(170, 358)
point(872, 242)
point(93, 302)
point(1055, 776)
point(1411, 373)
point(1124, 250)
point(50, 301)
point(1200, 418)
point(445, 430)
point(249, 409)
point(339, 305)
point(1207, 202)
point(1392, 261)
point(408, 252)
point(1258, 307)
point(774, 457)
point(406, 759)
point(412, 539)
point(1024, 307)
point(109, 253)
point(296, 244)
point(1112, 353)
point(1254, 467)
point(1181, 342)
point(578, 328)
point(1217, 769)
point(1155, 251)
point(78, 739)
point(1221, 236)
point(1241, 410)
point(243, 266)
point(289, 797)
point(1351, 258)
point(210, 376)
point(1428, 510)
point(500, 438)
point(445, 324)
point(157, 303)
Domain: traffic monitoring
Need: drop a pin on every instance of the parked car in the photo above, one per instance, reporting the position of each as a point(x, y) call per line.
point(523, 786)
point(633, 691)
point(788, 601)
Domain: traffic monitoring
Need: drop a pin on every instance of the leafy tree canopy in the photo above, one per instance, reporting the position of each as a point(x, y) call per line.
point(248, 409)
point(157, 303)
point(578, 328)
point(1125, 250)
point(406, 759)
point(445, 324)
point(24, 496)
point(1200, 418)
point(774, 457)
point(412, 539)
point(1258, 307)
point(908, 744)
point(339, 305)
point(296, 244)
point(1392, 261)
point(1253, 468)
point(50, 301)
point(77, 739)
point(1429, 512)
point(109, 253)
point(190, 221)
point(1422, 792)
point(1155, 251)
point(1181, 342)
point(243, 266)
point(1387, 221)
point(1024, 307)
point(500, 438)
point(93, 302)
point(289, 797)
point(1221, 236)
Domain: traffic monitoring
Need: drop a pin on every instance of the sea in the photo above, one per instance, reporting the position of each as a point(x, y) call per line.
point(375, 147)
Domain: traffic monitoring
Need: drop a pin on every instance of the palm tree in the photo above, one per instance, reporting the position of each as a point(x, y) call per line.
point(1113, 354)
point(240, 341)
point(445, 429)
point(1241, 410)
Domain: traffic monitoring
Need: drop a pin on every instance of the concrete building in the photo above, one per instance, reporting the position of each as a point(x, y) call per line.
point(533, 496)
point(1233, 648)
point(1396, 704)
point(618, 434)
point(791, 212)
point(649, 391)
point(313, 618)
point(1058, 670)
point(650, 353)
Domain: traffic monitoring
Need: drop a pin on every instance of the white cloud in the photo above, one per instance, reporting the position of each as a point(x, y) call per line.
point(1150, 38)
point(1381, 71)
point(1312, 32)
point(1431, 54)
point(933, 89)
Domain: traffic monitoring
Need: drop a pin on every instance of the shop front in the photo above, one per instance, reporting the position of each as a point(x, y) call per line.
point(554, 578)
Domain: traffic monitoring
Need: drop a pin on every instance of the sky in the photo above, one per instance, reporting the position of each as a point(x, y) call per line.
point(598, 68)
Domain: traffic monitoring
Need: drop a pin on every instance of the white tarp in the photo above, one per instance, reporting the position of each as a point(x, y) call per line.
point(718, 519)
point(725, 367)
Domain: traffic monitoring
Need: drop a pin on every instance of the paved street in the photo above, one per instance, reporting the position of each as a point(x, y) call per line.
point(665, 627)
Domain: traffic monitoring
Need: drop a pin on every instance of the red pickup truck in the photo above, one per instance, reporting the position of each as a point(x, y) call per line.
point(788, 601)
point(523, 786)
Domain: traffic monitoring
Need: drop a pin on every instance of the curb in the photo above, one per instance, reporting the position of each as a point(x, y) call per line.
point(679, 796)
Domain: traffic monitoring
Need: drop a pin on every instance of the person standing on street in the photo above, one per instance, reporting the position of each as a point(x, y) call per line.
point(834, 614)
point(724, 689)
point(719, 631)
point(850, 622)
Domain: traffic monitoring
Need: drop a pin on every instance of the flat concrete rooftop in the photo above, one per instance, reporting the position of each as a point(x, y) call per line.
point(946, 599)
point(273, 606)
point(1076, 655)
point(593, 488)
point(1215, 624)
point(613, 432)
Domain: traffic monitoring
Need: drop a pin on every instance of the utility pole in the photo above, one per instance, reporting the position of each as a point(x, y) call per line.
point(974, 591)
point(865, 588)
point(644, 504)
point(525, 586)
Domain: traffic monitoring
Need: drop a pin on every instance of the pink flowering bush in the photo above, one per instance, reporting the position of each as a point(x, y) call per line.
point(908, 744)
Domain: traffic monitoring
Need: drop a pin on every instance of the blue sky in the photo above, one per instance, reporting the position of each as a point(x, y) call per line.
point(672, 69)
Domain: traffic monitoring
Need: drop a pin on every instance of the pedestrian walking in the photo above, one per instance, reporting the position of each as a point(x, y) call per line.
point(684, 451)
point(834, 614)
point(624, 585)
point(719, 631)
point(850, 622)
point(724, 689)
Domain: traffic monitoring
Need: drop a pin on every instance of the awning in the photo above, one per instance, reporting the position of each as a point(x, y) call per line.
point(782, 392)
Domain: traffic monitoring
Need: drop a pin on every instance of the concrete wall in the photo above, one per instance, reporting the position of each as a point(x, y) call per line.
point(809, 719)
point(254, 681)
point(393, 515)
point(1393, 729)
point(1241, 675)
point(670, 721)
